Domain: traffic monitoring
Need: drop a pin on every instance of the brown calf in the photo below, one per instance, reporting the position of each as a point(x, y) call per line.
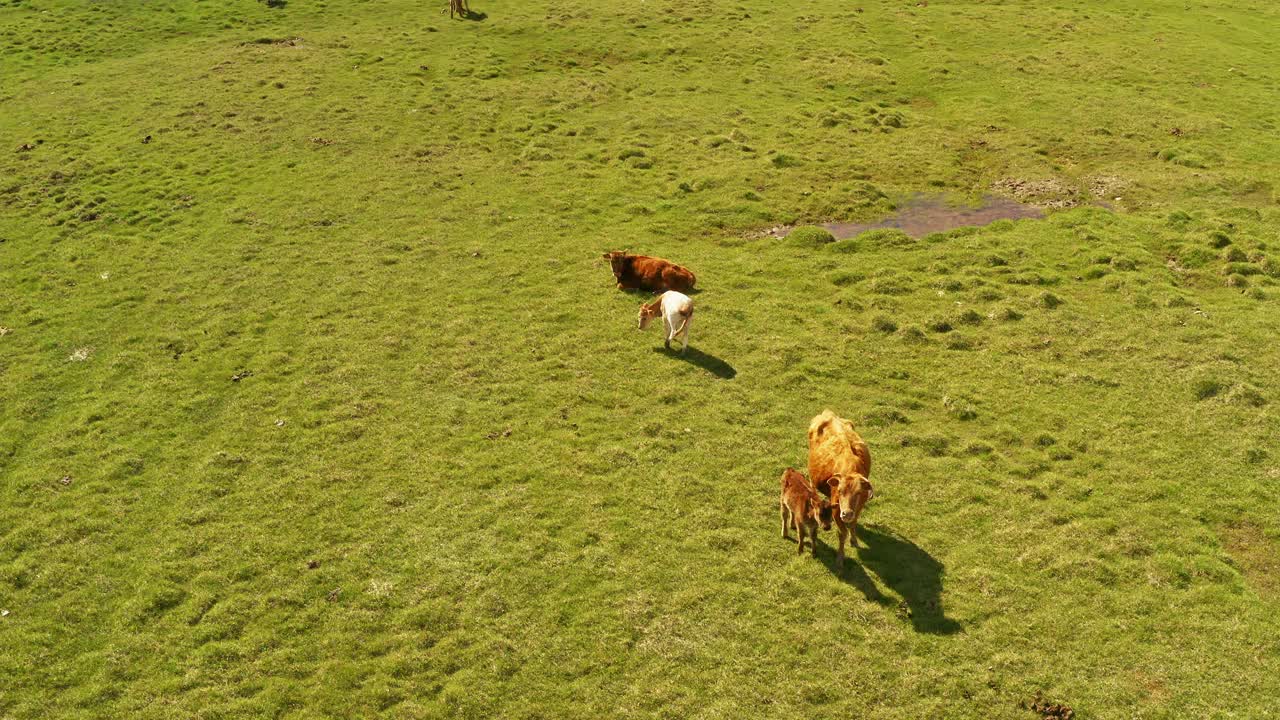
point(839, 464)
point(648, 273)
point(803, 509)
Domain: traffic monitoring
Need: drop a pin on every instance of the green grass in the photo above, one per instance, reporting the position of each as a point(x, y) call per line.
point(321, 403)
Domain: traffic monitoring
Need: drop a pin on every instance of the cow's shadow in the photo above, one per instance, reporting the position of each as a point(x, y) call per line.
point(694, 356)
point(904, 567)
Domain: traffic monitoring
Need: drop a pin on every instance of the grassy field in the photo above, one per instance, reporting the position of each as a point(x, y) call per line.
point(316, 399)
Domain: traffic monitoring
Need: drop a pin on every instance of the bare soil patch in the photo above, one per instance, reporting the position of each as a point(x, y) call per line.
point(1257, 556)
point(1049, 193)
point(1048, 710)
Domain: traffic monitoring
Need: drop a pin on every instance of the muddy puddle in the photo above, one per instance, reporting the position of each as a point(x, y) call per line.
point(922, 214)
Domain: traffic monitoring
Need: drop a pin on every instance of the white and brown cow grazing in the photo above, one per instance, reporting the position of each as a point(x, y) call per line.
point(676, 310)
point(803, 509)
point(839, 465)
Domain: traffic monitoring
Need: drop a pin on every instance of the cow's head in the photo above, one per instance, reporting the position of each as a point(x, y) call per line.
point(848, 494)
point(649, 311)
point(618, 260)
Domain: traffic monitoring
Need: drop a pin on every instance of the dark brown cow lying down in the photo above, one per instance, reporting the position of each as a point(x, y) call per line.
point(648, 273)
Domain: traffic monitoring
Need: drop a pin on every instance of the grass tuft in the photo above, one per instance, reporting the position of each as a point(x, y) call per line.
point(1048, 301)
point(884, 324)
point(1207, 388)
point(810, 236)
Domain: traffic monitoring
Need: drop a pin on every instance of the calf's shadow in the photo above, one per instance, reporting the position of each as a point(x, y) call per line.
point(906, 568)
point(694, 356)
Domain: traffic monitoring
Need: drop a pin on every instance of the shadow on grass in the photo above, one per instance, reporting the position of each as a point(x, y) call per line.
point(694, 356)
point(475, 16)
point(904, 567)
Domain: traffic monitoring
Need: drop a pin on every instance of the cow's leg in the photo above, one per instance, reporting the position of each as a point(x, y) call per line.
point(813, 540)
point(840, 553)
point(666, 332)
point(800, 533)
point(853, 528)
point(782, 511)
point(686, 335)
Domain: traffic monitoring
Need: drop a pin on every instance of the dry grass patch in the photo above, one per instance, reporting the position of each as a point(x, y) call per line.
point(1257, 556)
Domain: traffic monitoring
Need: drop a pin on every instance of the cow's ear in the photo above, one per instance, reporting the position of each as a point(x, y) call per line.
point(833, 484)
point(871, 492)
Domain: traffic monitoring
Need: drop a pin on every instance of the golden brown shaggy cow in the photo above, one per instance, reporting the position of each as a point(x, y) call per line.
point(839, 464)
point(803, 509)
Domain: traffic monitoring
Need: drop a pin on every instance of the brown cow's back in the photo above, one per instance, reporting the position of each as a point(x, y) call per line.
point(835, 448)
point(678, 278)
point(658, 274)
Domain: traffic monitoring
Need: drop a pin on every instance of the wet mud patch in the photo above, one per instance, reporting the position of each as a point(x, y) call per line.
point(924, 214)
point(1256, 555)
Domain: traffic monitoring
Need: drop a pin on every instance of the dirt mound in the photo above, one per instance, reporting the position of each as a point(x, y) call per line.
point(1048, 193)
point(1107, 187)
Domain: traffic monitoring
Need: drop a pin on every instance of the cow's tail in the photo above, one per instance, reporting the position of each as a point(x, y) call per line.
point(685, 315)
